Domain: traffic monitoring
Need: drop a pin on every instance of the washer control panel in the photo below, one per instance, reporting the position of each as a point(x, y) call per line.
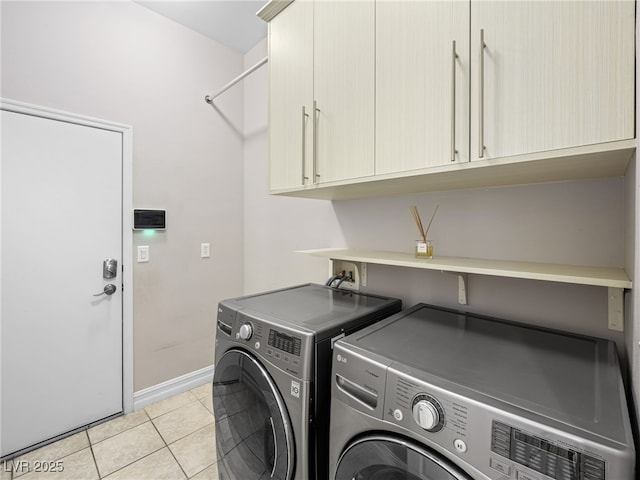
point(493, 441)
point(437, 417)
point(552, 459)
point(286, 343)
point(281, 347)
point(429, 412)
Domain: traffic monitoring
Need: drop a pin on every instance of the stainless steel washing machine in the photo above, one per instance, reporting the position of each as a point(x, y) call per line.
point(432, 393)
point(272, 378)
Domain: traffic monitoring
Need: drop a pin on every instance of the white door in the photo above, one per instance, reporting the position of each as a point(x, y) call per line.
point(61, 217)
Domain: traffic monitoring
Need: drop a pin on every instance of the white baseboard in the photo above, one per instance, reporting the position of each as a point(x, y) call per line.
point(145, 397)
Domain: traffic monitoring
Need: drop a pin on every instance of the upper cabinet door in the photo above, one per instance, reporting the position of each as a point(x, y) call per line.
point(422, 84)
point(550, 75)
point(291, 91)
point(344, 73)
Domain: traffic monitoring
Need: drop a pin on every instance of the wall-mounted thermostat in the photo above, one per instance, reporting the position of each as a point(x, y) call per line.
point(149, 219)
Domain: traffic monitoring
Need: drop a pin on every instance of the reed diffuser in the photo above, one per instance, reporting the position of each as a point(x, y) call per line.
point(424, 246)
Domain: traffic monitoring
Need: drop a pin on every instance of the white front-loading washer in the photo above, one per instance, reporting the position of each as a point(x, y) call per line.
point(272, 378)
point(432, 394)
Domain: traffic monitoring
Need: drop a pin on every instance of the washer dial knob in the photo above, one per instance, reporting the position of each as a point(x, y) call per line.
point(428, 413)
point(425, 414)
point(246, 331)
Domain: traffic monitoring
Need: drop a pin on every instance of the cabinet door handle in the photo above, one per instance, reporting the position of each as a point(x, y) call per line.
point(454, 57)
point(316, 110)
point(304, 145)
point(481, 102)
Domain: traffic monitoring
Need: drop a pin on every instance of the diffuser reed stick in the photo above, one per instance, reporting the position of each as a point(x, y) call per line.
point(430, 221)
point(416, 217)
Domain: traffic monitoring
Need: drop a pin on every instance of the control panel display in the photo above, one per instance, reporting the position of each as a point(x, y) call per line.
point(284, 342)
point(149, 219)
point(543, 456)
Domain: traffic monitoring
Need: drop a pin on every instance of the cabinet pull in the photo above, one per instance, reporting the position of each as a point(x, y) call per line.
point(316, 110)
point(304, 145)
point(454, 57)
point(481, 108)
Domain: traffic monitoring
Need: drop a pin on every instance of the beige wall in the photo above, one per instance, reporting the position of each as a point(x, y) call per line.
point(276, 227)
point(121, 62)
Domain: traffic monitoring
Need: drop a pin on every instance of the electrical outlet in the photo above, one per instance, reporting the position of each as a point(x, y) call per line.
point(351, 269)
point(205, 250)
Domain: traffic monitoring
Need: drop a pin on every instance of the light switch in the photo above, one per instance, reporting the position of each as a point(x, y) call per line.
point(205, 250)
point(143, 253)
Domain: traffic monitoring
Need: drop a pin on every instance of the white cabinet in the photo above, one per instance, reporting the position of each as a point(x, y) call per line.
point(422, 86)
point(290, 91)
point(370, 98)
point(344, 73)
point(551, 75)
point(321, 105)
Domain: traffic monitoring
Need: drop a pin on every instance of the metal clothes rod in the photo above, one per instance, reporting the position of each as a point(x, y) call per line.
point(211, 98)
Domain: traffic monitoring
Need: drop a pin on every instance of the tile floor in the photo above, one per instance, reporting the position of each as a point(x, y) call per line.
point(171, 439)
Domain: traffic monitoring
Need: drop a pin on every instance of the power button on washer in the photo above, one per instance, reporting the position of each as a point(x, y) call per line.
point(460, 445)
point(397, 414)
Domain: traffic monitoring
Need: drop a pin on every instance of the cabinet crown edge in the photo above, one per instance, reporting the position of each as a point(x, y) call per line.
point(272, 9)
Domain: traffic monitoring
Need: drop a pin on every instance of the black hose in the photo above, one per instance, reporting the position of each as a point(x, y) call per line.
point(342, 280)
point(332, 279)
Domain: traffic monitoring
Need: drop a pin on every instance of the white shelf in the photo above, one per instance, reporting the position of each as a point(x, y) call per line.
point(615, 279)
point(598, 276)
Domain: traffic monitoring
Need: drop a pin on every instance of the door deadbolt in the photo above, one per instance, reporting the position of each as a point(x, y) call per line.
point(109, 268)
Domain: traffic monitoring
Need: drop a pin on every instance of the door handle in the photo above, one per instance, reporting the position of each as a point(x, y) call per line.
point(109, 268)
point(454, 57)
point(109, 289)
point(304, 145)
point(316, 110)
point(481, 147)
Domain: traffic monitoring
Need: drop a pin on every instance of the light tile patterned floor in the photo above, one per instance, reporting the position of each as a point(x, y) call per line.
point(173, 439)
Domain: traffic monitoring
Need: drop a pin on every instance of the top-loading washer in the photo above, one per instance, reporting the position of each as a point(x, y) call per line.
point(271, 385)
point(432, 393)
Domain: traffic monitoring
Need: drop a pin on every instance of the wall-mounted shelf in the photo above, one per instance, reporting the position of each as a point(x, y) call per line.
point(598, 276)
point(615, 279)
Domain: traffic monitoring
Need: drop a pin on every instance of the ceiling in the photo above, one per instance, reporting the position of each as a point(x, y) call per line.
point(231, 22)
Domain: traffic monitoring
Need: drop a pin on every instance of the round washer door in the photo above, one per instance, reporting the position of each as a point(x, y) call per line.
point(388, 458)
point(254, 439)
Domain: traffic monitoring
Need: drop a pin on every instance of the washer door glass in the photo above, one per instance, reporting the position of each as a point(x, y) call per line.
point(388, 458)
point(253, 432)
